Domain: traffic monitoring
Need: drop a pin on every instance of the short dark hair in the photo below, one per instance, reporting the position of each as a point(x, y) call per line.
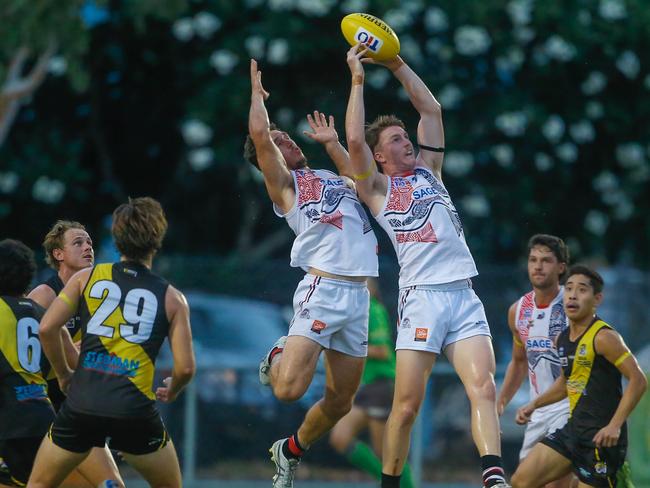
point(17, 267)
point(554, 243)
point(250, 153)
point(595, 280)
point(377, 126)
point(139, 227)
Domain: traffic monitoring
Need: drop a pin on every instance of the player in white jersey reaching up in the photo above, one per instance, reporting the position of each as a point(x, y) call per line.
point(337, 248)
point(535, 320)
point(438, 310)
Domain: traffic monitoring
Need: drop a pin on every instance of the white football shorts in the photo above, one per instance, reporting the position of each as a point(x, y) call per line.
point(433, 316)
point(543, 423)
point(333, 313)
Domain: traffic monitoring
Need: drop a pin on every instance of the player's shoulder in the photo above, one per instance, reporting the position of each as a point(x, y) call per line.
point(175, 299)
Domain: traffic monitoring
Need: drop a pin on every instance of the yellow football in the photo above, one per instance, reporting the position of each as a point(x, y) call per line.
point(376, 34)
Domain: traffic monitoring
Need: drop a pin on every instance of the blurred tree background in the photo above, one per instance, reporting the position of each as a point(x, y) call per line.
point(546, 105)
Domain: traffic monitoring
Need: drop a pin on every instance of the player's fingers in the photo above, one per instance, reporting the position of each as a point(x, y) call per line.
point(331, 121)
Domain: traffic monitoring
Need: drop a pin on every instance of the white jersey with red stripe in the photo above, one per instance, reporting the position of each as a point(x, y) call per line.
point(538, 328)
point(423, 225)
point(333, 232)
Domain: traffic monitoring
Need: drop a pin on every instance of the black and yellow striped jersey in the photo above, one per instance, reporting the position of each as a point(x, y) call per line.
point(25, 410)
point(593, 383)
point(74, 324)
point(123, 323)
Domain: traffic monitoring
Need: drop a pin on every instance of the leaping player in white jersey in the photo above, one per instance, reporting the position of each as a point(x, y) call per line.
point(438, 310)
point(337, 248)
point(535, 320)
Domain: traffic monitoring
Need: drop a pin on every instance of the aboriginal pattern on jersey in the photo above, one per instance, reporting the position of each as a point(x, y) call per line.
point(25, 408)
point(321, 198)
point(410, 205)
point(540, 347)
point(124, 324)
point(593, 383)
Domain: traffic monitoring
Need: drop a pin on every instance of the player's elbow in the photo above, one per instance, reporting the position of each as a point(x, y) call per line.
point(356, 141)
point(642, 381)
point(185, 371)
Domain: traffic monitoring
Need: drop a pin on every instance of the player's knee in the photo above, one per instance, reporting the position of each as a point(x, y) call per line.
point(339, 441)
point(519, 481)
point(288, 391)
point(483, 389)
point(405, 413)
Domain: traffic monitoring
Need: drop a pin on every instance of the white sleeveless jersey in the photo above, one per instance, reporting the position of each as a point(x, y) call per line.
point(538, 328)
point(425, 230)
point(333, 232)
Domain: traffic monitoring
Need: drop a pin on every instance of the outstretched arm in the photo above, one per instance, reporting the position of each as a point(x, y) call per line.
point(277, 177)
point(371, 185)
point(609, 344)
point(431, 135)
point(324, 132)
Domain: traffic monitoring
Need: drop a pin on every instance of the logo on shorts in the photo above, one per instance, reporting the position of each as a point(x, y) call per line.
point(585, 473)
point(317, 326)
point(405, 324)
point(304, 314)
point(421, 334)
point(600, 467)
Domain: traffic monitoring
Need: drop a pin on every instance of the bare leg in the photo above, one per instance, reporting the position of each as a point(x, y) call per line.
point(541, 466)
point(473, 360)
point(343, 374)
point(52, 465)
point(292, 371)
point(376, 429)
point(347, 429)
point(160, 468)
point(564, 482)
point(412, 372)
point(97, 467)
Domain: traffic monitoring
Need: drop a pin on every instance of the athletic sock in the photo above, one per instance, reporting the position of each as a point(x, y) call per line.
point(492, 470)
point(361, 456)
point(389, 481)
point(292, 448)
point(275, 351)
point(407, 477)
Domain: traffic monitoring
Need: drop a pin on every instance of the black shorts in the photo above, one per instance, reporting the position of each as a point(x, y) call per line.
point(376, 398)
point(57, 397)
point(595, 466)
point(18, 455)
point(79, 432)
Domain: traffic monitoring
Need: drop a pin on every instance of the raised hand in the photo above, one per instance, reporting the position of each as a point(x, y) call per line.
point(256, 82)
point(355, 58)
point(323, 130)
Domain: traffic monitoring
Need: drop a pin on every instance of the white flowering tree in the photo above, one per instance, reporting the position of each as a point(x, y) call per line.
point(546, 108)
